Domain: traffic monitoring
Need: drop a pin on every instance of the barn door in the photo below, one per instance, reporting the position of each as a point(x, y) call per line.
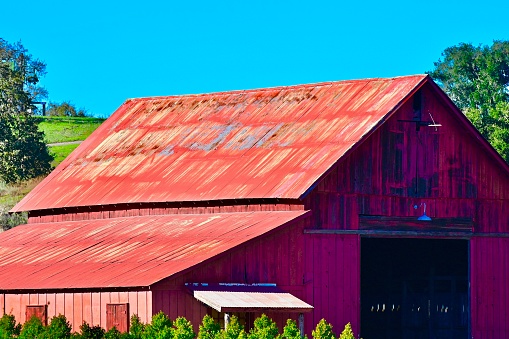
point(38, 311)
point(414, 288)
point(435, 308)
point(117, 315)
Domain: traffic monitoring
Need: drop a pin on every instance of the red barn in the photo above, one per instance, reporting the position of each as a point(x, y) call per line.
point(372, 201)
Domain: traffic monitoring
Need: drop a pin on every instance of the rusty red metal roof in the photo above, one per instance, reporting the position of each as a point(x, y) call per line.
point(237, 298)
point(266, 143)
point(123, 252)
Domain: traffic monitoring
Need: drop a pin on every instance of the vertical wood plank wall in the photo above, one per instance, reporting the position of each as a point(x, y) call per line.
point(332, 279)
point(78, 307)
point(277, 257)
point(489, 287)
point(398, 167)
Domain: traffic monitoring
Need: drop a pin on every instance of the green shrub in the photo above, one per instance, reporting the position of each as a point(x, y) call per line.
point(32, 329)
point(137, 327)
point(347, 332)
point(234, 330)
point(323, 331)
point(8, 327)
point(264, 328)
point(182, 329)
point(87, 332)
point(291, 330)
point(209, 329)
point(159, 328)
point(59, 328)
point(112, 333)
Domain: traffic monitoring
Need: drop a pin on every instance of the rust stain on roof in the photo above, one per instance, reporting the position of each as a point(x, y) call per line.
point(267, 143)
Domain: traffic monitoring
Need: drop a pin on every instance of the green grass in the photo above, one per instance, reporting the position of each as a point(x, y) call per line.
point(62, 129)
point(61, 152)
point(56, 129)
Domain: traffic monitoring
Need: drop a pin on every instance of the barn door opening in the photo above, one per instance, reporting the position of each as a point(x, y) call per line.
point(414, 288)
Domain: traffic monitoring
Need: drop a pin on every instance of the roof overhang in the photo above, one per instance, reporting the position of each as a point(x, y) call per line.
point(248, 298)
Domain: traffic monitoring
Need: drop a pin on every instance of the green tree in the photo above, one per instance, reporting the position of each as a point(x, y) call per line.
point(234, 330)
point(8, 327)
point(59, 328)
point(291, 330)
point(90, 332)
point(209, 329)
point(476, 78)
point(159, 328)
point(32, 329)
point(137, 327)
point(23, 153)
point(323, 330)
point(19, 78)
point(182, 329)
point(65, 109)
point(347, 332)
point(264, 328)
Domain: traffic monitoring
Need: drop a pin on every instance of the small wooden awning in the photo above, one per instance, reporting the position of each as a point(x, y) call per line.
point(248, 298)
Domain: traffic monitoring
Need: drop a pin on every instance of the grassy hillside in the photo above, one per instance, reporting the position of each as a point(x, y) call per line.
point(65, 129)
point(56, 130)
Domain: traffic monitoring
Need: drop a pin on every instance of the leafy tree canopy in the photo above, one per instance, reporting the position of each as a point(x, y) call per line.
point(19, 78)
point(65, 109)
point(23, 152)
point(476, 78)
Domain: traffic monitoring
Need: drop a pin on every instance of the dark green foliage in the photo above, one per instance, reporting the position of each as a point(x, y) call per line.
point(137, 327)
point(209, 329)
point(88, 332)
point(8, 327)
point(323, 331)
point(8, 221)
point(59, 328)
point(32, 329)
point(113, 333)
point(19, 78)
point(159, 328)
point(347, 332)
point(23, 152)
point(494, 126)
point(65, 109)
point(234, 330)
point(182, 329)
point(264, 328)
point(476, 78)
point(291, 330)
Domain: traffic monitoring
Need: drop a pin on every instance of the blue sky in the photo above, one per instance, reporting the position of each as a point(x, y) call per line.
point(99, 53)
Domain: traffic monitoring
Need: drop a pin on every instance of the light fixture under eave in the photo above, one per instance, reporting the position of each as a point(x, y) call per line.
point(424, 217)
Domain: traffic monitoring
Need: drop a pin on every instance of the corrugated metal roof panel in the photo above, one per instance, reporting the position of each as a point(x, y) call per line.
point(123, 252)
point(267, 143)
point(232, 301)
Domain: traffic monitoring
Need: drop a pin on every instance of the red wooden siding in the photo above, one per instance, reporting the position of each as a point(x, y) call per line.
point(332, 279)
point(489, 287)
point(79, 306)
point(277, 257)
point(155, 209)
point(398, 167)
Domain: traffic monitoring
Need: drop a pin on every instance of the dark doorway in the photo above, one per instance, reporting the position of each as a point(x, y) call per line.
point(414, 288)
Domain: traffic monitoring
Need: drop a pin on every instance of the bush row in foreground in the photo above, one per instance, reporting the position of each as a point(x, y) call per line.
point(162, 327)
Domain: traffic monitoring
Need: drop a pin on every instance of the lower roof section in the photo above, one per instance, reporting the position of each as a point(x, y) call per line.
point(123, 252)
point(248, 298)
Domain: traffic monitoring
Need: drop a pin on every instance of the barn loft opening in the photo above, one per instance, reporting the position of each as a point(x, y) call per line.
point(414, 288)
